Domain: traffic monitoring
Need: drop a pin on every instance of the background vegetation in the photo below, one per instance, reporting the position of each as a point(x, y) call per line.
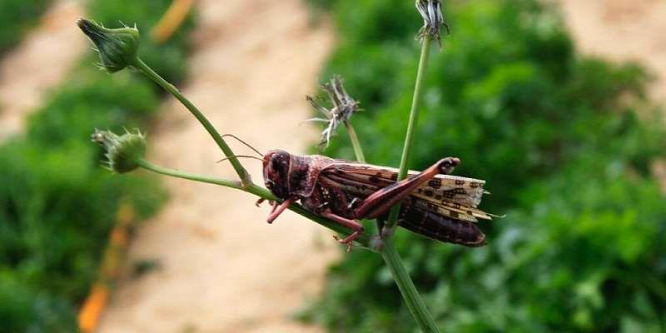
point(565, 142)
point(57, 205)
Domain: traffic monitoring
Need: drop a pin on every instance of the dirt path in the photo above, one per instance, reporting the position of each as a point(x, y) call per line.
point(38, 64)
point(223, 269)
point(622, 30)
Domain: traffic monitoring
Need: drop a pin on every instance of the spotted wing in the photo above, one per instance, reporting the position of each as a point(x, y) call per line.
point(450, 196)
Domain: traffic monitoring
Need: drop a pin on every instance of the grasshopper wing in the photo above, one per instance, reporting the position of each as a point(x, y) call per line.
point(450, 196)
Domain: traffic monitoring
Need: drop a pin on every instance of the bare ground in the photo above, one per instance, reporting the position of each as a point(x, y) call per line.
point(39, 63)
point(223, 268)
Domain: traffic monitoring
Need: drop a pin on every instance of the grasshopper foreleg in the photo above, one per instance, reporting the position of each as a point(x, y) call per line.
point(278, 209)
point(379, 203)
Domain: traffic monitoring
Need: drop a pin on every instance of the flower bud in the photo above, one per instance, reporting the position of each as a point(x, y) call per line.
point(122, 152)
point(117, 47)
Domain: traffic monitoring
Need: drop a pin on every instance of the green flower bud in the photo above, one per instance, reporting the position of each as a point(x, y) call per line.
point(122, 152)
point(117, 47)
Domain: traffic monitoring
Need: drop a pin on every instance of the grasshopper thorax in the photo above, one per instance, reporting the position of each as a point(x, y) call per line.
point(276, 172)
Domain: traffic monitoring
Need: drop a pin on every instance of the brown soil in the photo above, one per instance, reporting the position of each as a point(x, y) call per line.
point(223, 268)
point(39, 63)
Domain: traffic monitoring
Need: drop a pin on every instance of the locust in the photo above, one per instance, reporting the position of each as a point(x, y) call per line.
point(434, 203)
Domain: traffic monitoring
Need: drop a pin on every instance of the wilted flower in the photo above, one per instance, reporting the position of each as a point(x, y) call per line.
point(343, 107)
point(122, 152)
point(431, 11)
point(117, 47)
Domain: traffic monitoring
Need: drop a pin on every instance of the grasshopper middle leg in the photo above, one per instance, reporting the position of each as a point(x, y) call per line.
point(354, 225)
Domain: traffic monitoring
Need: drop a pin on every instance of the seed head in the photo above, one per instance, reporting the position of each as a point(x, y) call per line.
point(117, 47)
point(343, 107)
point(122, 152)
point(431, 11)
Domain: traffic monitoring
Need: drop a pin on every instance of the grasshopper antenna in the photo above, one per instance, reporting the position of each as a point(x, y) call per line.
point(243, 142)
point(244, 156)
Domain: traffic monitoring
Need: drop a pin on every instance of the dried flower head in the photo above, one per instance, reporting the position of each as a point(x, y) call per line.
point(431, 11)
point(343, 107)
point(117, 47)
point(122, 152)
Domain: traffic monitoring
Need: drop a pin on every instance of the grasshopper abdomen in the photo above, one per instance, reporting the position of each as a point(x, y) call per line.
point(441, 228)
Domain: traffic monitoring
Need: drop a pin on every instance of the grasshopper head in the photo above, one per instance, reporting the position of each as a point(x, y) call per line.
point(276, 172)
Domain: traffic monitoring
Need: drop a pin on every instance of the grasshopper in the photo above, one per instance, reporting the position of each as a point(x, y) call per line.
point(434, 204)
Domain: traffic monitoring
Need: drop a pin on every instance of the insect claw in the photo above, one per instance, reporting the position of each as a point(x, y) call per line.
point(342, 241)
point(259, 202)
point(349, 240)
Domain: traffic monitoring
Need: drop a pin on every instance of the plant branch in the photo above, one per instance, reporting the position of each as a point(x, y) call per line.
point(390, 255)
point(150, 73)
point(409, 293)
point(411, 126)
point(358, 151)
point(253, 189)
point(190, 176)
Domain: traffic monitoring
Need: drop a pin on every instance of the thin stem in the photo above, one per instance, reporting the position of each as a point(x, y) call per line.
point(150, 73)
point(249, 188)
point(409, 293)
point(190, 176)
point(411, 126)
point(358, 151)
point(407, 289)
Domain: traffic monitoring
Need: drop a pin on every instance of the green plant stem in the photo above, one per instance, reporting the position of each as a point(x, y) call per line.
point(358, 151)
point(390, 255)
point(190, 176)
point(409, 293)
point(411, 296)
point(150, 73)
point(249, 188)
point(411, 126)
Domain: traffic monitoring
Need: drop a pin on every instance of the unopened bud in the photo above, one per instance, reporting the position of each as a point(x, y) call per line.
point(431, 11)
point(117, 47)
point(122, 152)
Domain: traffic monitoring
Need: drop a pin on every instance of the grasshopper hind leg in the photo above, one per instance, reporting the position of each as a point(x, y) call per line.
point(381, 201)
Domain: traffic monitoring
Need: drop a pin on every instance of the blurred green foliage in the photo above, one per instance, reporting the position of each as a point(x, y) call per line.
point(16, 17)
point(57, 203)
point(565, 143)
